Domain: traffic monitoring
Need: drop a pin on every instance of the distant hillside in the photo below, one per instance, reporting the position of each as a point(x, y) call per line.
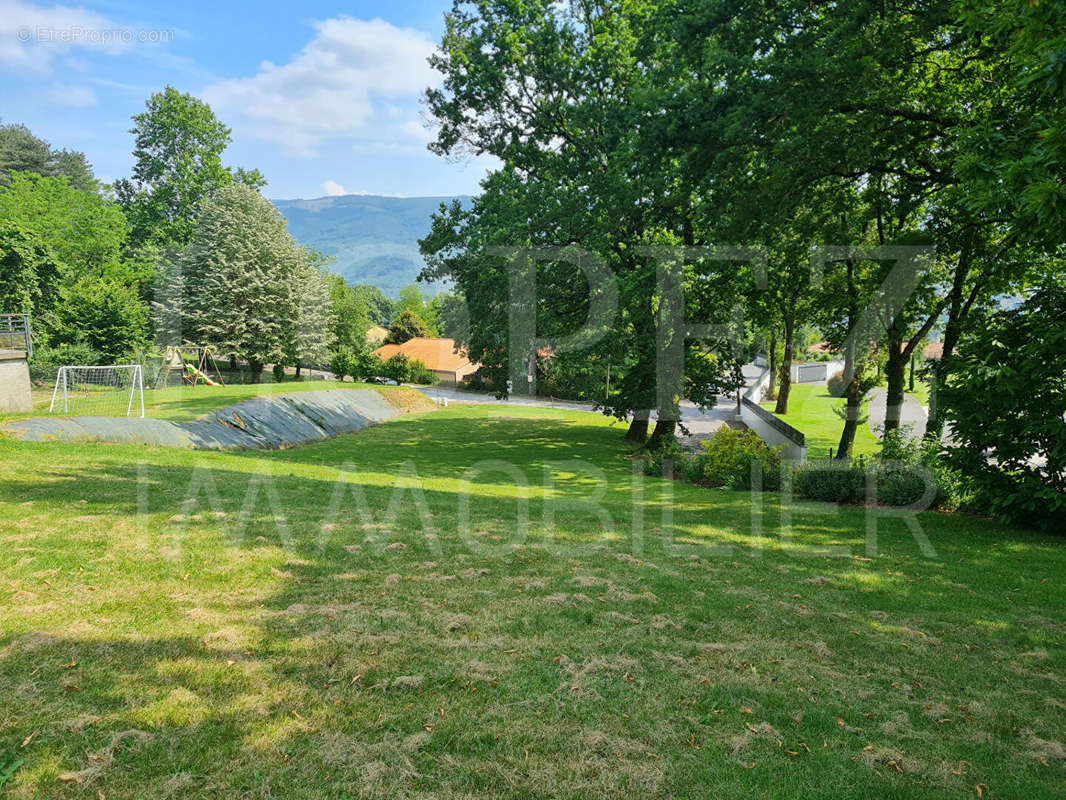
point(372, 239)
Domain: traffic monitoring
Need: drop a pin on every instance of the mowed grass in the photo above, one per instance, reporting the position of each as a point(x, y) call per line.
point(811, 410)
point(380, 622)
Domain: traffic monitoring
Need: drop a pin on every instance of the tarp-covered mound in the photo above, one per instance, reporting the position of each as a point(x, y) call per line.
point(267, 422)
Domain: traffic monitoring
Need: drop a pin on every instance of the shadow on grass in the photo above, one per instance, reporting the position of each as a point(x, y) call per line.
point(291, 661)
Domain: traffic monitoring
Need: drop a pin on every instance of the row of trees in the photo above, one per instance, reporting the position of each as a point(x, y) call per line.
point(922, 140)
point(185, 250)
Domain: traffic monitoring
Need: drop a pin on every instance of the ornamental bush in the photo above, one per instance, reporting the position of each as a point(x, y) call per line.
point(730, 456)
point(836, 385)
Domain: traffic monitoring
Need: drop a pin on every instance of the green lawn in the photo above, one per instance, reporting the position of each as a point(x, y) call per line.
point(346, 636)
point(810, 409)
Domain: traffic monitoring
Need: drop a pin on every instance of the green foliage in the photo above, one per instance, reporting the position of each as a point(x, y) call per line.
point(421, 374)
point(107, 314)
point(21, 151)
point(666, 461)
point(86, 232)
point(730, 457)
point(242, 283)
point(278, 371)
point(29, 270)
point(312, 338)
point(406, 326)
point(350, 314)
point(47, 359)
point(453, 316)
point(378, 305)
point(830, 481)
point(178, 146)
point(397, 368)
point(1006, 399)
point(412, 301)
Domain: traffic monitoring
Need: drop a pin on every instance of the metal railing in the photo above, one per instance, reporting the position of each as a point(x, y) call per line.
point(15, 333)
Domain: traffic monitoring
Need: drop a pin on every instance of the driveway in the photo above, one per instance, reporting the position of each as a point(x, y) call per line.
point(913, 413)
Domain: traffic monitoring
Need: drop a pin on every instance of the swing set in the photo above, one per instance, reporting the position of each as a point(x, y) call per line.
point(193, 363)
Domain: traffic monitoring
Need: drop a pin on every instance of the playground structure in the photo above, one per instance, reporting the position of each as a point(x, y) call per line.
point(193, 363)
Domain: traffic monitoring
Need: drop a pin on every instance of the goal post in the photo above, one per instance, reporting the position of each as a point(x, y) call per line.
point(113, 391)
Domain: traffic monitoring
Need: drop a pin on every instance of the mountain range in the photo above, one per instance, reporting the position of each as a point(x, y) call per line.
point(372, 239)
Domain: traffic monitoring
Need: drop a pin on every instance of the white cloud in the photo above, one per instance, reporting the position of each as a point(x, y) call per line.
point(347, 82)
point(72, 96)
point(31, 36)
point(333, 189)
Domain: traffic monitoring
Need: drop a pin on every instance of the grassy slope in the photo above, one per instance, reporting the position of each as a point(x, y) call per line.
point(156, 655)
point(810, 409)
point(183, 403)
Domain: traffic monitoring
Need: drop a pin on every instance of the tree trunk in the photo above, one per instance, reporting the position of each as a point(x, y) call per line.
point(771, 387)
point(896, 374)
point(638, 428)
point(297, 370)
point(853, 393)
point(663, 433)
point(785, 376)
point(958, 310)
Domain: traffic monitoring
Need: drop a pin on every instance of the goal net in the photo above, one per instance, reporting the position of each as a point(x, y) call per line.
point(99, 391)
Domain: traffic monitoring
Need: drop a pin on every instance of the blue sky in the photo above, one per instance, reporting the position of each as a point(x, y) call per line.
point(322, 97)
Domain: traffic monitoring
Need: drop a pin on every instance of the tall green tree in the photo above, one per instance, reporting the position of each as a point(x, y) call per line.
point(412, 299)
point(29, 271)
point(21, 151)
point(86, 231)
point(406, 326)
point(240, 279)
point(350, 315)
point(312, 339)
point(557, 92)
point(178, 147)
point(378, 304)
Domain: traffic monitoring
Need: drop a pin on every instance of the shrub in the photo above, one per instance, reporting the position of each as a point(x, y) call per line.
point(47, 360)
point(397, 368)
point(343, 363)
point(830, 481)
point(367, 366)
point(836, 385)
point(670, 453)
point(729, 456)
point(421, 374)
point(1004, 398)
point(279, 373)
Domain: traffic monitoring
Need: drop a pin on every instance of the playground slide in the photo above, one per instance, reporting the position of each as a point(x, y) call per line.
point(199, 375)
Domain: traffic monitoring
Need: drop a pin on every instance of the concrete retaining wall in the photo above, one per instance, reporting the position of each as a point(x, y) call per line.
point(15, 396)
point(771, 428)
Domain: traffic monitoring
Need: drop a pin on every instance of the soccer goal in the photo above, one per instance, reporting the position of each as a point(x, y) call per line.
point(116, 391)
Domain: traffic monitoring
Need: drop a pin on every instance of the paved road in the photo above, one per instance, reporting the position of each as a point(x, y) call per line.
point(699, 423)
point(913, 413)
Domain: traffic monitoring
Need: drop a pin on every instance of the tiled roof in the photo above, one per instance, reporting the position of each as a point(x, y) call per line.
point(436, 354)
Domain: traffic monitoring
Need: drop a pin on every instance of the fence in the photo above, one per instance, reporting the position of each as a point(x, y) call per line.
point(15, 333)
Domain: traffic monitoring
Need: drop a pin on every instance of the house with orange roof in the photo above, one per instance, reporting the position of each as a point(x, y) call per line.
point(443, 357)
